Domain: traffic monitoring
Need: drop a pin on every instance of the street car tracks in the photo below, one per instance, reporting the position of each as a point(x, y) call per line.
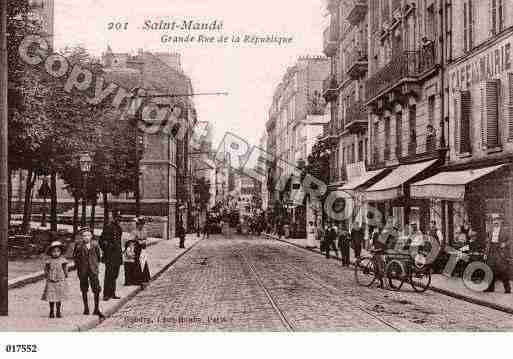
point(316, 281)
point(267, 293)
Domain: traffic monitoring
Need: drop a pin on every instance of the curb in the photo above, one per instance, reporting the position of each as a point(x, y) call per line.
point(480, 302)
point(95, 321)
point(446, 292)
point(37, 276)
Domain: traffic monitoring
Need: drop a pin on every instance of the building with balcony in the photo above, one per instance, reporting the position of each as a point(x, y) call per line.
point(296, 117)
point(474, 185)
point(403, 95)
point(344, 90)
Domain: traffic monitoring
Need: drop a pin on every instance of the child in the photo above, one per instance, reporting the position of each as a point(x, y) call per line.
point(87, 256)
point(129, 262)
point(56, 272)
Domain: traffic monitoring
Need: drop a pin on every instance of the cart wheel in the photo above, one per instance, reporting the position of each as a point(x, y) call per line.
point(395, 274)
point(420, 279)
point(365, 271)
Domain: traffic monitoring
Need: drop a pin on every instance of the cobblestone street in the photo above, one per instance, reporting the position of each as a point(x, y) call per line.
point(249, 283)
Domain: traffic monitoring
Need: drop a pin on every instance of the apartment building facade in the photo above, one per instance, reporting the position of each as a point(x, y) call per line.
point(346, 43)
point(474, 187)
point(404, 98)
point(295, 120)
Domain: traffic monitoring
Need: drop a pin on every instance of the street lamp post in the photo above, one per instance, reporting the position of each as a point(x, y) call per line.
point(85, 167)
point(44, 191)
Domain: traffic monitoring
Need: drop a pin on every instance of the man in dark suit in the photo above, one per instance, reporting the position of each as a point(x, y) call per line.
point(357, 238)
point(110, 243)
point(497, 255)
point(180, 233)
point(87, 256)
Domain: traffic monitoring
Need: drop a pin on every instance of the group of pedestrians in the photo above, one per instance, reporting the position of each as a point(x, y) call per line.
point(333, 238)
point(87, 255)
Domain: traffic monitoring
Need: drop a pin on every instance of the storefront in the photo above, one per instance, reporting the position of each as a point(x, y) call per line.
point(391, 196)
point(355, 188)
point(468, 199)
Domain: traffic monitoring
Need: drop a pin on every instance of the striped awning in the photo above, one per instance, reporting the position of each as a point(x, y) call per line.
point(450, 185)
point(391, 187)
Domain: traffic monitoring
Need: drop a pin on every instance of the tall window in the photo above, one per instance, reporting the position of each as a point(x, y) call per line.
point(497, 16)
point(430, 130)
point(360, 151)
point(399, 135)
point(387, 138)
point(412, 122)
point(465, 118)
point(366, 150)
point(431, 22)
point(491, 92)
point(385, 10)
point(375, 135)
point(468, 25)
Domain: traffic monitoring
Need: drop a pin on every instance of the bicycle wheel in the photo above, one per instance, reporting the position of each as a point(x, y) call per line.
point(420, 279)
point(395, 274)
point(365, 271)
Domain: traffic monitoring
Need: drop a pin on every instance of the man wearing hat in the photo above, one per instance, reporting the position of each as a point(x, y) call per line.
point(110, 243)
point(497, 254)
point(87, 256)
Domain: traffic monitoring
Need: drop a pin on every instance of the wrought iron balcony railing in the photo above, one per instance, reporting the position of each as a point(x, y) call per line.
point(410, 65)
point(330, 89)
point(330, 37)
point(357, 62)
point(357, 11)
point(356, 116)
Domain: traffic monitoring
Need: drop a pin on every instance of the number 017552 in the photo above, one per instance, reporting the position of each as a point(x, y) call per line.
point(20, 348)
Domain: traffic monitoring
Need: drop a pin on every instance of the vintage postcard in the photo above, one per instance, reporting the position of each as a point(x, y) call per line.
point(255, 166)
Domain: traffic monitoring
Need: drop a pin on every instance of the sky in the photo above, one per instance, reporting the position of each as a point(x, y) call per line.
point(249, 73)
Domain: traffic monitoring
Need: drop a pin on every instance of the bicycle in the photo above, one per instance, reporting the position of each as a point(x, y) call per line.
point(399, 268)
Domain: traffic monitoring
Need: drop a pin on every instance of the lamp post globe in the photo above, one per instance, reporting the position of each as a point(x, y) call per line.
point(85, 162)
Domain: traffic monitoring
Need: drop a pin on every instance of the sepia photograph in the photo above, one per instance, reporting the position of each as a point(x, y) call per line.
point(256, 167)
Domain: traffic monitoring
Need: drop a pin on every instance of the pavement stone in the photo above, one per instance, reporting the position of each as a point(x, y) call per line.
point(452, 286)
point(27, 312)
point(213, 288)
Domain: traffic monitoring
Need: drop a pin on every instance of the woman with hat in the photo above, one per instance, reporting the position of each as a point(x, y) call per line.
point(56, 273)
point(141, 270)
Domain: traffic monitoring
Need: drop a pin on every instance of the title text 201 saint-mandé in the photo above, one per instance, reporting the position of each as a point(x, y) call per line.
point(184, 25)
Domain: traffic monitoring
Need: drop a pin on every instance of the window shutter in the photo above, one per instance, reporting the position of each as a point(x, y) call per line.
point(465, 114)
point(483, 117)
point(509, 109)
point(470, 25)
point(465, 27)
point(493, 11)
point(500, 15)
point(456, 127)
point(492, 113)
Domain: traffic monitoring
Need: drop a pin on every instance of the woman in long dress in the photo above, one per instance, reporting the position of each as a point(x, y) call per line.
point(141, 270)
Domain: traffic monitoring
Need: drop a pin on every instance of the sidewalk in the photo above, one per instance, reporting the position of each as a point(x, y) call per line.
point(27, 312)
point(29, 270)
point(453, 286)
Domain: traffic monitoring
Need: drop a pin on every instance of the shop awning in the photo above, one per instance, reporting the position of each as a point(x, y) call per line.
point(353, 184)
point(449, 185)
point(391, 186)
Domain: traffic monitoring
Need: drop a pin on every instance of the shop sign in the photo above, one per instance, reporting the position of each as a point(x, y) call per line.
point(484, 66)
